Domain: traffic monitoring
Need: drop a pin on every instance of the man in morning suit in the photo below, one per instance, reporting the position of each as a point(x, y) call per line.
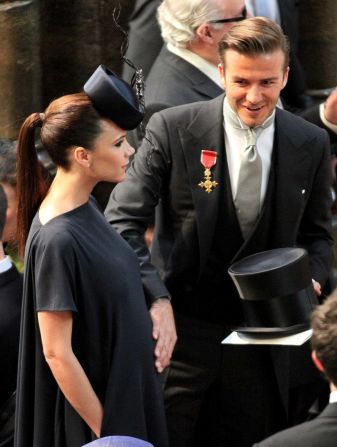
point(322, 431)
point(10, 310)
point(191, 165)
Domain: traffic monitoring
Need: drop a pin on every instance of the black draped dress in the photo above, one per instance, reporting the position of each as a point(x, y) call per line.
point(76, 262)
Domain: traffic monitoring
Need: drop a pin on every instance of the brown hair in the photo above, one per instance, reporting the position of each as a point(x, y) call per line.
point(67, 122)
point(253, 36)
point(324, 337)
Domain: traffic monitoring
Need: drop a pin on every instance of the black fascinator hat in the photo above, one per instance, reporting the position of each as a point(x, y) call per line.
point(114, 98)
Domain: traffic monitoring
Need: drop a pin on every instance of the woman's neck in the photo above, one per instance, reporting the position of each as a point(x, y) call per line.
point(68, 191)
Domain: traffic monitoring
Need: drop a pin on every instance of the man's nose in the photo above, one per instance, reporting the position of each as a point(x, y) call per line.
point(254, 94)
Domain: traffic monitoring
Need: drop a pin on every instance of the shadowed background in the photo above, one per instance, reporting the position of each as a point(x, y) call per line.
point(49, 48)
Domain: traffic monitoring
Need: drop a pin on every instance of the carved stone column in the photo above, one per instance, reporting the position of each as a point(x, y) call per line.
point(20, 80)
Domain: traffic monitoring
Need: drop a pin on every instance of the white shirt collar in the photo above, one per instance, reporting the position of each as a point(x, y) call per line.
point(235, 142)
point(197, 61)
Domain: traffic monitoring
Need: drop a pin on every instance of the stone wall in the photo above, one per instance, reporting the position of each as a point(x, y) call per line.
point(49, 48)
point(20, 73)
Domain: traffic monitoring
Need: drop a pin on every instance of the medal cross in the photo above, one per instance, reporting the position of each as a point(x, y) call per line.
point(208, 184)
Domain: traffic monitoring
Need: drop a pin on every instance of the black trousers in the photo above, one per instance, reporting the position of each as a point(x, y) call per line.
point(219, 395)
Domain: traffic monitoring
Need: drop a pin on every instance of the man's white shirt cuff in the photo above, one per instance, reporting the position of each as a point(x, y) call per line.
point(327, 123)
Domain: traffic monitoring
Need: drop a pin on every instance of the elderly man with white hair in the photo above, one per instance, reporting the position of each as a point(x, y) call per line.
point(185, 70)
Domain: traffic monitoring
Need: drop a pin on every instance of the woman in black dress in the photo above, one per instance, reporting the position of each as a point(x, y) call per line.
point(86, 366)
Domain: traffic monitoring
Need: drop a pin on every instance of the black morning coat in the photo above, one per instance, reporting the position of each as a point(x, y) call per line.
point(296, 209)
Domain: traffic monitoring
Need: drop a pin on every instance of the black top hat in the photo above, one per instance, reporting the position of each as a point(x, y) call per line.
point(114, 98)
point(276, 291)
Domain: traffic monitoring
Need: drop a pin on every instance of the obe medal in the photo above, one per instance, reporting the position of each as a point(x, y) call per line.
point(208, 160)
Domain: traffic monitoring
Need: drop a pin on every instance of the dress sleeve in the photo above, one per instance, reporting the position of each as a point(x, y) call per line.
point(55, 272)
point(132, 202)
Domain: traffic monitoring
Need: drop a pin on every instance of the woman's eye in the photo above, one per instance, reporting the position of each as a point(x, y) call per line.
point(119, 143)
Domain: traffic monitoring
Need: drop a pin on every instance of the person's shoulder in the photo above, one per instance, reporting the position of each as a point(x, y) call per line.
point(55, 235)
point(301, 435)
point(170, 81)
point(300, 128)
point(299, 124)
point(164, 58)
point(175, 71)
point(191, 109)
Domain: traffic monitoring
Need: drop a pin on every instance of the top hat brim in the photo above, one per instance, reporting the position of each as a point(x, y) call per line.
point(265, 332)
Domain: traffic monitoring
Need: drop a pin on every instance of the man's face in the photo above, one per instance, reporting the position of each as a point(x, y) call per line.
point(229, 9)
point(253, 84)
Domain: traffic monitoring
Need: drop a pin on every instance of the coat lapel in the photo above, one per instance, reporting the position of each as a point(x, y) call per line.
point(293, 164)
point(199, 135)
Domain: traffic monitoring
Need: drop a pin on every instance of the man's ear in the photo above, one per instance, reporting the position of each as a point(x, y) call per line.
point(222, 75)
point(82, 156)
point(317, 362)
point(204, 33)
point(285, 77)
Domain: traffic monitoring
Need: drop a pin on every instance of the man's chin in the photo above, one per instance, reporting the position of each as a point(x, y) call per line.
point(252, 121)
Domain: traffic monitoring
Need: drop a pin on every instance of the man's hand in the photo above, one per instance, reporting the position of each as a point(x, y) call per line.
point(164, 331)
point(330, 108)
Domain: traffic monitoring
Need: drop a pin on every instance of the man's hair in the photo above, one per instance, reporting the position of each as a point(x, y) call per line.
point(178, 19)
point(324, 338)
point(3, 209)
point(254, 36)
point(8, 161)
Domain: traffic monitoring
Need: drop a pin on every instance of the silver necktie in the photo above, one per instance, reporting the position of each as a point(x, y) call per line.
point(248, 193)
point(247, 199)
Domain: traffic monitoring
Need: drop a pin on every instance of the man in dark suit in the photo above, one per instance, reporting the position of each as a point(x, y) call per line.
point(10, 291)
point(322, 431)
point(10, 309)
point(190, 165)
point(185, 70)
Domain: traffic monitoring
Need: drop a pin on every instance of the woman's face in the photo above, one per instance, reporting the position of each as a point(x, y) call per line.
point(110, 155)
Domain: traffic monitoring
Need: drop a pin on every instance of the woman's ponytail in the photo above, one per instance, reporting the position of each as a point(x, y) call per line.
point(31, 179)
